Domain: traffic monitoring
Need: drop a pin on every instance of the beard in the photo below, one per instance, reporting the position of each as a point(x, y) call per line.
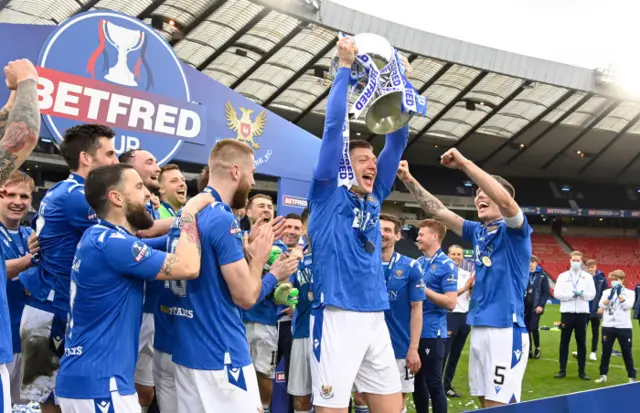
point(138, 216)
point(240, 197)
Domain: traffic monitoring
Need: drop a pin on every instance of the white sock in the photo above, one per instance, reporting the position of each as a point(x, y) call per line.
point(266, 409)
point(144, 409)
point(404, 410)
point(302, 411)
point(362, 409)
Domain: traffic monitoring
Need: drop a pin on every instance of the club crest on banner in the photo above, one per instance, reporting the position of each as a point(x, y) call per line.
point(248, 129)
point(109, 68)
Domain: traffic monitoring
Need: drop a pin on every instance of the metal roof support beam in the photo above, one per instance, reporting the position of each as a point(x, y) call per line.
point(628, 165)
point(237, 35)
point(586, 130)
point(426, 86)
point(300, 72)
point(3, 3)
point(146, 13)
point(313, 104)
point(493, 111)
point(199, 19)
point(448, 107)
point(529, 125)
point(293, 33)
point(619, 135)
point(85, 7)
point(546, 130)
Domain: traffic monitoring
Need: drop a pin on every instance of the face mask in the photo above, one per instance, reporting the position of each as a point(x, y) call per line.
point(576, 265)
point(615, 283)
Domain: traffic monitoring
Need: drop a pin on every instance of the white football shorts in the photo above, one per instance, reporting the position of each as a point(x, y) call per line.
point(5, 389)
point(116, 404)
point(215, 391)
point(299, 380)
point(350, 349)
point(407, 379)
point(164, 377)
point(497, 363)
point(263, 346)
point(144, 367)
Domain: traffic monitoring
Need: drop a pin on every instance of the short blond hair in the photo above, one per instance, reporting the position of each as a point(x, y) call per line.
point(618, 274)
point(227, 150)
point(576, 254)
point(591, 262)
point(20, 178)
point(435, 226)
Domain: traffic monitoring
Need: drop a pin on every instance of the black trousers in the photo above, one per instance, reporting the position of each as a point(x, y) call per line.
point(595, 333)
point(458, 332)
point(573, 322)
point(285, 341)
point(623, 335)
point(428, 381)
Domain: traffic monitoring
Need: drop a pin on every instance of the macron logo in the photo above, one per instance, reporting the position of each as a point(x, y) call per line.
point(518, 353)
point(427, 351)
point(104, 406)
point(235, 373)
point(316, 343)
point(57, 341)
point(498, 388)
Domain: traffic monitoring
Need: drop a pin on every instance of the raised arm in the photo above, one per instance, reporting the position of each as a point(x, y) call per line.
point(488, 184)
point(6, 109)
point(22, 128)
point(331, 147)
point(431, 205)
point(391, 154)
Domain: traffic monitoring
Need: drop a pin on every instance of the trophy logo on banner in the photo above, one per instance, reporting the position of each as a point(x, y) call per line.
point(125, 41)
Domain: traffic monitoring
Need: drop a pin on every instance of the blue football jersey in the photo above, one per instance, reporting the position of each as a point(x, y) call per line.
point(152, 288)
point(404, 286)
point(501, 260)
point(303, 281)
point(107, 282)
point(209, 332)
point(63, 217)
point(168, 299)
point(6, 345)
point(440, 276)
point(266, 311)
point(340, 224)
point(14, 245)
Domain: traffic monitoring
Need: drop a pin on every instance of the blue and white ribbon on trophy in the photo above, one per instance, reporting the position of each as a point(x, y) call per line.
point(412, 101)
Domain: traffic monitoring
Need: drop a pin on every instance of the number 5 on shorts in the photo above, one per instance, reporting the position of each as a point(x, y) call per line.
point(499, 380)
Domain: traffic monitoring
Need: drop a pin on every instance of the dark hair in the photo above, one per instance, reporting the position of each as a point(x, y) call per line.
point(534, 258)
point(304, 217)
point(393, 219)
point(168, 167)
point(99, 182)
point(82, 138)
point(359, 143)
point(293, 215)
point(203, 179)
point(126, 157)
point(506, 185)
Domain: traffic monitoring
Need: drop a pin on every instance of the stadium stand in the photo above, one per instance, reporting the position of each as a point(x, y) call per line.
point(611, 254)
point(553, 258)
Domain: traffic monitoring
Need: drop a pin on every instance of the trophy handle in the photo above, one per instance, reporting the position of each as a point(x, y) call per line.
point(106, 34)
point(140, 42)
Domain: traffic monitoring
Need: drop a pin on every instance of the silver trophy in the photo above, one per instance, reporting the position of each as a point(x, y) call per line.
point(384, 114)
point(125, 41)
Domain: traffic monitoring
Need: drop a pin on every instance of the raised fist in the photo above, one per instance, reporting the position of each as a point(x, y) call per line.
point(453, 159)
point(347, 51)
point(18, 70)
point(403, 171)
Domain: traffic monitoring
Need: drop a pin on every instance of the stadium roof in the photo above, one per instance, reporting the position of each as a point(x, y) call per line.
point(530, 116)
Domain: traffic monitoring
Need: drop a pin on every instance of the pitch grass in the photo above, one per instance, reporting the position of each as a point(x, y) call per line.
point(538, 380)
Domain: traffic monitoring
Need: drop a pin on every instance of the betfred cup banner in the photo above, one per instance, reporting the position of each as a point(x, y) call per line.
point(109, 68)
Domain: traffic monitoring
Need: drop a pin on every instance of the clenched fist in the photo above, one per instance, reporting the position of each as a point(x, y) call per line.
point(403, 171)
point(347, 51)
point(18, 70)
point(453, 159)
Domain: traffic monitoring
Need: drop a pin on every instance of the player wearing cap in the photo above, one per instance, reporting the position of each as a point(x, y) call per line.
point(214, 371)
point(106, 291)
point(20, 130)
point(351, 343)
point(502, 248)
point(62, 218)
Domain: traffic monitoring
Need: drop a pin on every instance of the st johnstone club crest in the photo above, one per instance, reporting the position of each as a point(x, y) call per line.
point(249, 125)
point(109, 68)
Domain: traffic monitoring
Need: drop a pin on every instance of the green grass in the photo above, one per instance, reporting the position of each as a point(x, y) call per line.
point(538, 380)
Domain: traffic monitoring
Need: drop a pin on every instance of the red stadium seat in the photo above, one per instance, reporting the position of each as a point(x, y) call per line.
point(611, 254)
point(552, 257)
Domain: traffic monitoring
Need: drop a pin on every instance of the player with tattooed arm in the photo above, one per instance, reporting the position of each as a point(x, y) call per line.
point(20, 130)
point(502, 248)
point(107, 279)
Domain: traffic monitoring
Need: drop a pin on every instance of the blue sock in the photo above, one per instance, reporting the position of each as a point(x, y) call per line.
point(362, 409)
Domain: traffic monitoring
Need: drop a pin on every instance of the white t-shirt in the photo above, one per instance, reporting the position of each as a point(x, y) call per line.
point(462, 306)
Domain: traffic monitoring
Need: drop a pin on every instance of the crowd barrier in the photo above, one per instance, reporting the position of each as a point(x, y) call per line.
point(622, 398)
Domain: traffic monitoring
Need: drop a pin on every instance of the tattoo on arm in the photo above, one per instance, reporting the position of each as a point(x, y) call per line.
point(429, 203)
point(190, 227)
point(22, 129)
point(4, 115)
point(167, 267)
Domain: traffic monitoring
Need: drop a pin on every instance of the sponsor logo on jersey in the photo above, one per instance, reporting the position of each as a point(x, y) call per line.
point(140, 251)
